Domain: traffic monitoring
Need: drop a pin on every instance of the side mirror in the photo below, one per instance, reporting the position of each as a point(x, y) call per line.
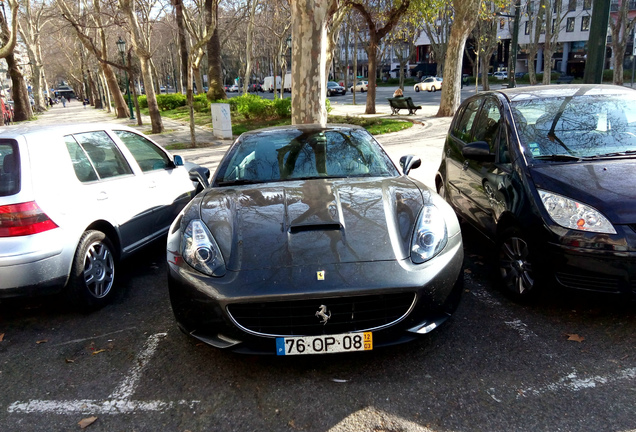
point(409, 162)
point(478, 151)
point(201, 176)
point(178, 161)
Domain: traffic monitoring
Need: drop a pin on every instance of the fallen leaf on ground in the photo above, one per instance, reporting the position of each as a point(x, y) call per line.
point(86, 422)
point(70, 361)
point(42, 341)
point(98, 351)
point(574, 337)
point(1, 337)
point(467, 271)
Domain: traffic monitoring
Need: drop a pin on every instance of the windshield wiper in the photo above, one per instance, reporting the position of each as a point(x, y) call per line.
point(239, 182)
point(628, 153)
point(558, 157)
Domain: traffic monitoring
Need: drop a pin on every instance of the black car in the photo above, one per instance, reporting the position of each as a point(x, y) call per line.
point(548, 173)
point(310, 241)
point(333, 88)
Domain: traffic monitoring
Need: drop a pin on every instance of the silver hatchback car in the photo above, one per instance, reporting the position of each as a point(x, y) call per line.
point(75, 199)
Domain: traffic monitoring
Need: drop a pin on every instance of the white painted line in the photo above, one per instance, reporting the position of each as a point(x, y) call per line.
point(511, 322)
point(117, 403)
point(128, 386)
point(93, 406)
point(572, 382)
point(521, 328)
point(94, 337)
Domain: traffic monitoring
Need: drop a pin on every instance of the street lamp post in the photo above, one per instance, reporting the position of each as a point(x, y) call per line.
point(121, 47)
point(512, 70)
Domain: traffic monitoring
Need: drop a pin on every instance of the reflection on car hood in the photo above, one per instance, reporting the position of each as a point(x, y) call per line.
point(317, 221)
point(606, 185)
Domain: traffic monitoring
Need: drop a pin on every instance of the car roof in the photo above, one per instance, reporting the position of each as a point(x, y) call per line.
point(562, 90)
point(62, 129)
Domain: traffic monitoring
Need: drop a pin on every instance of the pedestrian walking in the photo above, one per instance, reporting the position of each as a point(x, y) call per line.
point(63, 101)
point(85, 102)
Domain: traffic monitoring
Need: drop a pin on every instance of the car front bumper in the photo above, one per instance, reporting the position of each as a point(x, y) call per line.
point(202, 304)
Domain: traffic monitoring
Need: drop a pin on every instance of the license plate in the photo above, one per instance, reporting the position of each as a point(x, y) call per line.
point(324, 344)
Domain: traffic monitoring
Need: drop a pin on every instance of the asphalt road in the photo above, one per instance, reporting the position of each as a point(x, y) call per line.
point(564, 363)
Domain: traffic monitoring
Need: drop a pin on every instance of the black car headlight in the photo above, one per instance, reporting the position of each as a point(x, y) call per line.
point(575, 215)
point(430, 235)
point(200, 251)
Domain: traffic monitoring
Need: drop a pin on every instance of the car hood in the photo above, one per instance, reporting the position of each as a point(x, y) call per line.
point(606, 185)
point(319, 221)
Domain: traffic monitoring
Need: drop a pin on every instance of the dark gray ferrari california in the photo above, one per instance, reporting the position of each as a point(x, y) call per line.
point(309, 241)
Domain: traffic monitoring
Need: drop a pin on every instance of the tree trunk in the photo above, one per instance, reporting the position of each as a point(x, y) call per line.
point(215, 69)
point(248, 45)
point(309, 56)
point(20, 93)
point(373, 60)
point(466, 13)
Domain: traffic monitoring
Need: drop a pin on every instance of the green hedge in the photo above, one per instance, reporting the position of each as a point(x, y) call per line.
point(255, 107)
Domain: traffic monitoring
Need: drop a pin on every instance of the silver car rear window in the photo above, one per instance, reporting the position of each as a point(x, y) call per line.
point(9, 169)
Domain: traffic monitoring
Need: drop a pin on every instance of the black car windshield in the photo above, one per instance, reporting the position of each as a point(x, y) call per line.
point(577, 127)
point(294, 154)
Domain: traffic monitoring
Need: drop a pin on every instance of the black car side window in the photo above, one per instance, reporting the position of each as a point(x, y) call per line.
point(488, 124)
point(465, 124)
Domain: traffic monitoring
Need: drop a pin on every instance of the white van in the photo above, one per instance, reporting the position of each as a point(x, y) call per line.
point(288, 83)
point(268, 83)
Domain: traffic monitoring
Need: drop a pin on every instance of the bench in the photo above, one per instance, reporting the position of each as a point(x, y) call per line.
point(564, 79)
point(399, 103)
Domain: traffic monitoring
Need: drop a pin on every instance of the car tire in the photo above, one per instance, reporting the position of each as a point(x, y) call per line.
point(91, 283)
point(434, 89)
point(361, 90)
point(417, 89)
point(516, 261)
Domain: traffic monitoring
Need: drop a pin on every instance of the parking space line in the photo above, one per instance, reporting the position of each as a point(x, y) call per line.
point(572, 382)
point(94, 337)
point(119, 401)
point(515, 324)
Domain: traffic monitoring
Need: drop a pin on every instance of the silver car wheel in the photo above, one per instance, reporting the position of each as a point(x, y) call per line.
point(99, 269)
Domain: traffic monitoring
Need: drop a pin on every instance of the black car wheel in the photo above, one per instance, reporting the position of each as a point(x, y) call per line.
point(93, 271)
point(516, 264)
point(417, 89)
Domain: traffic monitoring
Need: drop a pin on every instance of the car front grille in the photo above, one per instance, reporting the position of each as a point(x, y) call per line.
point(302, 317)
point(591, 283)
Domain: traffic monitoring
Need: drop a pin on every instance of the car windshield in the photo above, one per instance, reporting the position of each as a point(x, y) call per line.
point(577, 126)
point(332, 84)
point(293, 154)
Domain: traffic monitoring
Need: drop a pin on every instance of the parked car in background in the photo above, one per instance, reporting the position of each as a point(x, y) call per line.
point(333, 88)
point(547, 173)
point(310, 241)
point(233, 88)
point(112, 191)
point(429, 84)
point(501, 75)
point(361, 86)
point(254, 88)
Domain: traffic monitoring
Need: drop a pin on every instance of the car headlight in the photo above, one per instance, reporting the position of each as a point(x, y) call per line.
point(575, 215)
point(430, 234)
point(200, 251)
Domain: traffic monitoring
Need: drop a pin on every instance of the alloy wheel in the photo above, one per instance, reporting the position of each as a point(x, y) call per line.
point(515, 267)
point(99, 269)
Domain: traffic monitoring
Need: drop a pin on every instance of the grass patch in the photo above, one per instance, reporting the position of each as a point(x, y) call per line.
point(241, 123)
point(375, 126)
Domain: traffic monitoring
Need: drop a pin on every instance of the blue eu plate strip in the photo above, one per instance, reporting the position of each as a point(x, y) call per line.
point(280, 346)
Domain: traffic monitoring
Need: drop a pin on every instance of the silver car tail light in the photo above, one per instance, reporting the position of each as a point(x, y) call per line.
point(23, 219)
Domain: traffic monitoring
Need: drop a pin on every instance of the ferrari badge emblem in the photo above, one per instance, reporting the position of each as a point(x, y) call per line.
point(320, 275)
point(324, 314)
